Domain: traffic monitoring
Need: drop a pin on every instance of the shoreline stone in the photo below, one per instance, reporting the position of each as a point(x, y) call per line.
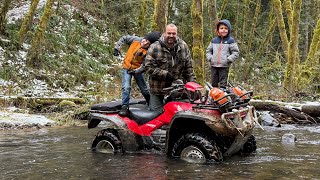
point(20, 121)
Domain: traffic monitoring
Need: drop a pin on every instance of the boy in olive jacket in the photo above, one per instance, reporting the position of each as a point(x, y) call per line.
point(221, 52)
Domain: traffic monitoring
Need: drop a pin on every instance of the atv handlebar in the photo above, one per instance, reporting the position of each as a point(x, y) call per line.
point(177, 84)
point(250, 93)
point(167, 89)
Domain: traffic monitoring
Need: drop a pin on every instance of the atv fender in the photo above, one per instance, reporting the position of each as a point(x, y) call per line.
point(96, 118)
point(203, 122)
point(182, 122)
point(238, 143)
point(128, 138)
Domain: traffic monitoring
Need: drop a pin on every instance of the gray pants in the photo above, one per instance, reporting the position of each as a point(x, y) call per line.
point(156, 102)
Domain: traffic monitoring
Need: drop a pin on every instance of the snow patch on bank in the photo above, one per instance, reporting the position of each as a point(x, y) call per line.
point(9, 120)
point(20, 12)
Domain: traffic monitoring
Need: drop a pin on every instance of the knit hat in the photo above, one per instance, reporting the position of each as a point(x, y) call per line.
point(152, 36)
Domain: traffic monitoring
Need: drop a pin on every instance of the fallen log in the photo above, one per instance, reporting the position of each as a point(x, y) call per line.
point(298, 117)
point(42, 104)
point(312, 110)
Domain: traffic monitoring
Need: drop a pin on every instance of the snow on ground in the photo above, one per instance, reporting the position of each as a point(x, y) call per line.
point(21, 118)
point(20, 12)
point(10, 119)
point(1, 53)
point(38, 88)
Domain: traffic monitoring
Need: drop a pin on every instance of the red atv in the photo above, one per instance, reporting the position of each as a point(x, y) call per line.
point(193, 127)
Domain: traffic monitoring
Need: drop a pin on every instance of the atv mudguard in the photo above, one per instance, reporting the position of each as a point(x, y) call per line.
point(128, 138)
point(240, 128)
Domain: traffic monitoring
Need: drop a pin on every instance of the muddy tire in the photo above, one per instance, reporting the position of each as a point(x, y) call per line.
point(250, 146)
point(196, 148)
point(107, 141)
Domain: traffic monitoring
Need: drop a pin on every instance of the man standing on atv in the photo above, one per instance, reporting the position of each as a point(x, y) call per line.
point(133, 65)
point(167, 60)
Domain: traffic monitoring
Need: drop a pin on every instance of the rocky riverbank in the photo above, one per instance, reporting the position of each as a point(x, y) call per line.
point(10, 120)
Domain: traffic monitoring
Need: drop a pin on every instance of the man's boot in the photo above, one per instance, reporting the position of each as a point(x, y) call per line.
point(147, 98)
point(124, 110)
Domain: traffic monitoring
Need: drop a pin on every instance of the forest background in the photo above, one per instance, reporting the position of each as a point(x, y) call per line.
point(66, 46)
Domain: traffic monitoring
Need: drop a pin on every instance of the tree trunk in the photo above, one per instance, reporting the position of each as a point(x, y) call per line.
point(223, 7)
point(287, 5)
point(311, 60)
point(160, 15)
point(59, 5)
point(197, 32)
point(293, 59)
point(298, 116)
point(3, 16)
point(309, 73)
point(267, 38)
point(142, 17)
point(213, 14)
point(253, 26)
point(35, 52)
point(250, 61)
point(312, 110)
point(281, 25)
point(27, 21)
point(246, 8)
point(235, 30)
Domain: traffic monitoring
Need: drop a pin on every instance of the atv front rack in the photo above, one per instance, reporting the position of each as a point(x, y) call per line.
point(219, 108)
point(242, 120)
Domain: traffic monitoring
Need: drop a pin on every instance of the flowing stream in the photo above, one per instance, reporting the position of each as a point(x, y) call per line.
point(64, 153)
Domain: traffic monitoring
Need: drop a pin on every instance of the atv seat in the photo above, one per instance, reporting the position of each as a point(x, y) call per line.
point(141, 114)
point(114, 106)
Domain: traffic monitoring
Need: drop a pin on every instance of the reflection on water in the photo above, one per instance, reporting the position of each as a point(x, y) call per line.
point(64, 153)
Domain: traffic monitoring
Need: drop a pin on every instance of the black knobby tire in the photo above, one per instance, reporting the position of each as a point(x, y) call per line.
point(107, 141)
point(250, 146)
point(196, 148)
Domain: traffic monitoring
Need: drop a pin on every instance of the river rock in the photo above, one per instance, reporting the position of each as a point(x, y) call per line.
point(23, 121)
point(266, 119)
point(288, 138)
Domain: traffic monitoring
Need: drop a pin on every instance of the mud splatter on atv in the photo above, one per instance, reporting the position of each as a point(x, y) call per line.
point(193, 127)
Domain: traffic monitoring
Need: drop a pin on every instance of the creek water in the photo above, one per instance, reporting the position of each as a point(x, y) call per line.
point(64, 153)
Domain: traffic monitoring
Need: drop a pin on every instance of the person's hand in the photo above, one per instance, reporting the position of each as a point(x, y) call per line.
point(116, 52)
point(169, 76)
point(178, 82)
point(132, 72)
point(139, 70)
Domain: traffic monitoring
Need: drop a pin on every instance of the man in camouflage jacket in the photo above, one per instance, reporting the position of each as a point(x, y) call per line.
point(167, 60)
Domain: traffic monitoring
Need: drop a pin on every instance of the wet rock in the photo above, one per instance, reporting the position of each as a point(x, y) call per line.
point(266, 119)
point(13, 121)
point(288, 138)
